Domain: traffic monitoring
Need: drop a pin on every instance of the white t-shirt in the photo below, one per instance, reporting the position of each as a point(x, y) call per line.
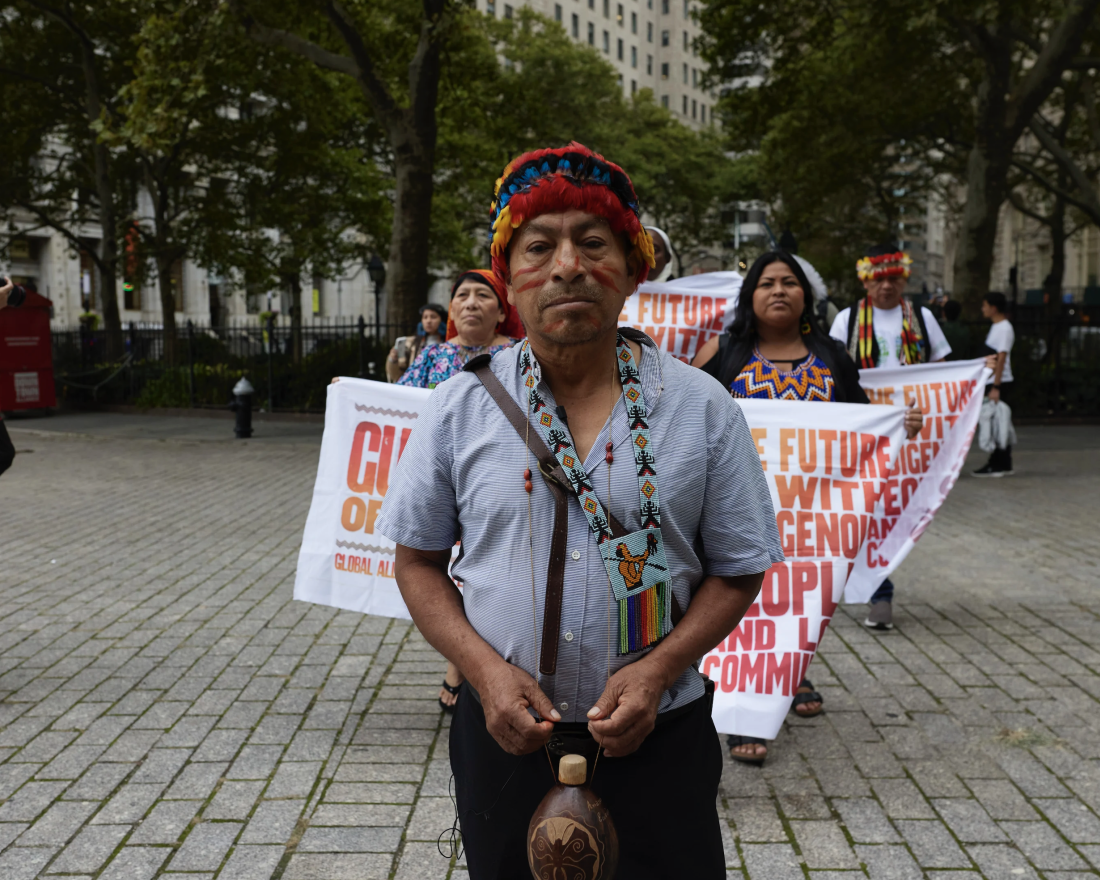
point(887, 324)
point(1000, 338)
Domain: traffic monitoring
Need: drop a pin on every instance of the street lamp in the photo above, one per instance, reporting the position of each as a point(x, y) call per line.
point(377, 271)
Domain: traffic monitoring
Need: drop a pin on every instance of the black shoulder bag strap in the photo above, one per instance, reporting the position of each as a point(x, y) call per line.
point(561, 489)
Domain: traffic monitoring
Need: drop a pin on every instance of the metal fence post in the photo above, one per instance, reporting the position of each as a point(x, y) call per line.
point(191, 360)
point(270, 363)
point(362, 342)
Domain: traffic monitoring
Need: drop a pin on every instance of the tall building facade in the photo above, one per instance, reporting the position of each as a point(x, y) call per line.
point(650, 43)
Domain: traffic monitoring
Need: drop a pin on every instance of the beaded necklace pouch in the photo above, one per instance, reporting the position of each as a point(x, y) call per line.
point(635, 563)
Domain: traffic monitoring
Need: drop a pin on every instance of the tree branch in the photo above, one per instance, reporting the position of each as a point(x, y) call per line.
point(1093, 123)
point(1064, 42)
point(269, 36)
point(1021, 206)
point(47, 222)
point(1066, 162)
point(1092, 210)
point(373, 88)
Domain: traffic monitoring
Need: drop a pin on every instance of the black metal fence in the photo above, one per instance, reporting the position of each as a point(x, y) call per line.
point(210, 360)
point(1055, 362)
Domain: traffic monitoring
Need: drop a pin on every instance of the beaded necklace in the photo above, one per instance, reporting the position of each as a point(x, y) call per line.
point(635, 563)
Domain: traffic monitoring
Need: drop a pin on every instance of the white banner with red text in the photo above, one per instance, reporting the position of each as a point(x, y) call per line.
point(344, 562)
point(826, 465)
point(682, 314)
point(950, 396)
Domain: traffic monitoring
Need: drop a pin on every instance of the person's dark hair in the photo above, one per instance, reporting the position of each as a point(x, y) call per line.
point(438, 309)
point(952, 310)
point(882, 249)
point(744, 318)
point(997, 300)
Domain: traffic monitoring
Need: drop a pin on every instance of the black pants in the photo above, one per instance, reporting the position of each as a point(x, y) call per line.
point(661, 798)
point(7, 451)
point(1001, 459)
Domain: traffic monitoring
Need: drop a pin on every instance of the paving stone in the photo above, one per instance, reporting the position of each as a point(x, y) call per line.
point(24, 862)
point(294, 779)
point(969, 822)
point(57, 824)
point(129, 803)
point(865, 821)
point(274, 822)
point(342, 866)
point(31, 800)
point(771, 861)
point(823, 845)
point(252, 863)
point(205, 847)
point(90, 849)
point(1042, 845)
point(889, 863)
point(349, 840)
point(135, 863)
point(234, 800)
point(932, 844)
point(1072, 818)
point(167, 821)
point(753, 819)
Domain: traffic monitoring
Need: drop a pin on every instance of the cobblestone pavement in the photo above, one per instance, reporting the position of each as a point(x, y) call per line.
point(166, 709)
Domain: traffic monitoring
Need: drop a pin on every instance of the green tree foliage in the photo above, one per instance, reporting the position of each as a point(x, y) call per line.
point(835, 96)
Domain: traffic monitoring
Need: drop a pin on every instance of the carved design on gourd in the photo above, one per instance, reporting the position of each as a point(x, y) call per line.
point(564, 848)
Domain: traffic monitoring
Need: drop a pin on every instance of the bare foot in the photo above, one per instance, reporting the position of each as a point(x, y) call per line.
point(750, 750)
point(807, 709)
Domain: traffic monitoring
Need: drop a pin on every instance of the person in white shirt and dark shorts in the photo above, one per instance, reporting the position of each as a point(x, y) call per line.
point(998, 343)
point(884, 330)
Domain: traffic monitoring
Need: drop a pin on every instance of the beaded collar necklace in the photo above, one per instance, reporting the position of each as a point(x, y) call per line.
point(636, 565)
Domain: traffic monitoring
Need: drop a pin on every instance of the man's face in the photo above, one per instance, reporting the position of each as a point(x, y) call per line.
point(987, 310)
point(661, 256)
point(885, 293)
point(570, 275)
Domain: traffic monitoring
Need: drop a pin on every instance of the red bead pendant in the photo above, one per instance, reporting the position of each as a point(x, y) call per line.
point(609, 446)
point(528, 486)
point(609, 458)
point(527, 474)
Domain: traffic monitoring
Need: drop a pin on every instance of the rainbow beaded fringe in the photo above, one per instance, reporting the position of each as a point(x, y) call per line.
point(644, 619)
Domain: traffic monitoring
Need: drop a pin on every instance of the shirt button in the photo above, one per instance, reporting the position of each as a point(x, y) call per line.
point(569, 636)
point(576, 555)
point(563, 706)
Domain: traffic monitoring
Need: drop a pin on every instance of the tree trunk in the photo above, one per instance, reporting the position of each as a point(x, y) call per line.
point(167, 307)
point(1052, 284)
point(407, 275)
point(294, 281)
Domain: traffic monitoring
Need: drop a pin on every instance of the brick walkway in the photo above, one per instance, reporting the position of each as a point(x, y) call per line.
point(167, 711)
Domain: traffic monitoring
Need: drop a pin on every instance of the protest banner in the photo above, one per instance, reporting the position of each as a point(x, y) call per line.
point(826, 466)
point(683, 314)
point(344, 562)
point(950, 396)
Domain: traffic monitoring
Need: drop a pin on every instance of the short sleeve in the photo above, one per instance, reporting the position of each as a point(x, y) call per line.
point(839, 330)
point(941, 348)
point(1001, 337)
point(416, 376)
point(420, 510)
point(738, 520)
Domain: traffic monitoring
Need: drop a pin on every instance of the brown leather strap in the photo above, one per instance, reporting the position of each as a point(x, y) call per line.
point(561, 489)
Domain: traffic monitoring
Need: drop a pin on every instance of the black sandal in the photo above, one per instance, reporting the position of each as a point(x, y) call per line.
point(452, 689)
point(734, 740)
point(810, 697)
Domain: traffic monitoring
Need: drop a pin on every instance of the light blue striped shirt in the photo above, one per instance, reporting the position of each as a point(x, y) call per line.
point(461, 476)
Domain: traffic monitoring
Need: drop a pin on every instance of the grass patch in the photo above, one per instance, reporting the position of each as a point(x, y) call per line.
point(1025, 738)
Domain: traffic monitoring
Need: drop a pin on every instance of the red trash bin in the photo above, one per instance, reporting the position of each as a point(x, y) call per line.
point(26, 357)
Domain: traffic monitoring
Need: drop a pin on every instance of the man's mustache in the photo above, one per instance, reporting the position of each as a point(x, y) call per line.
point(588, 291)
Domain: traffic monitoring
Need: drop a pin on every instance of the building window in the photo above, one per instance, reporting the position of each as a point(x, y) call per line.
point(576, 26)
point(685, 74)
point(591, 4)
point(686, 41)
point(685, 105)
point(664, 7)
point(687, 12)
point(634, 56)
point(634, 22)
point(607, 8)
point(620, 80)
point(664, 38)
point(633, 86)
point(703, 112)
point(606, 43)
point(491, 7)
point(695, 76)
point(619, 15)
point(557, 12)
point(591, 34)
point(649, 65)
point(619, 50)
point(664, 101)
point(694, 108)
point(507, 11)
point(649, 31)
point(664, 70)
